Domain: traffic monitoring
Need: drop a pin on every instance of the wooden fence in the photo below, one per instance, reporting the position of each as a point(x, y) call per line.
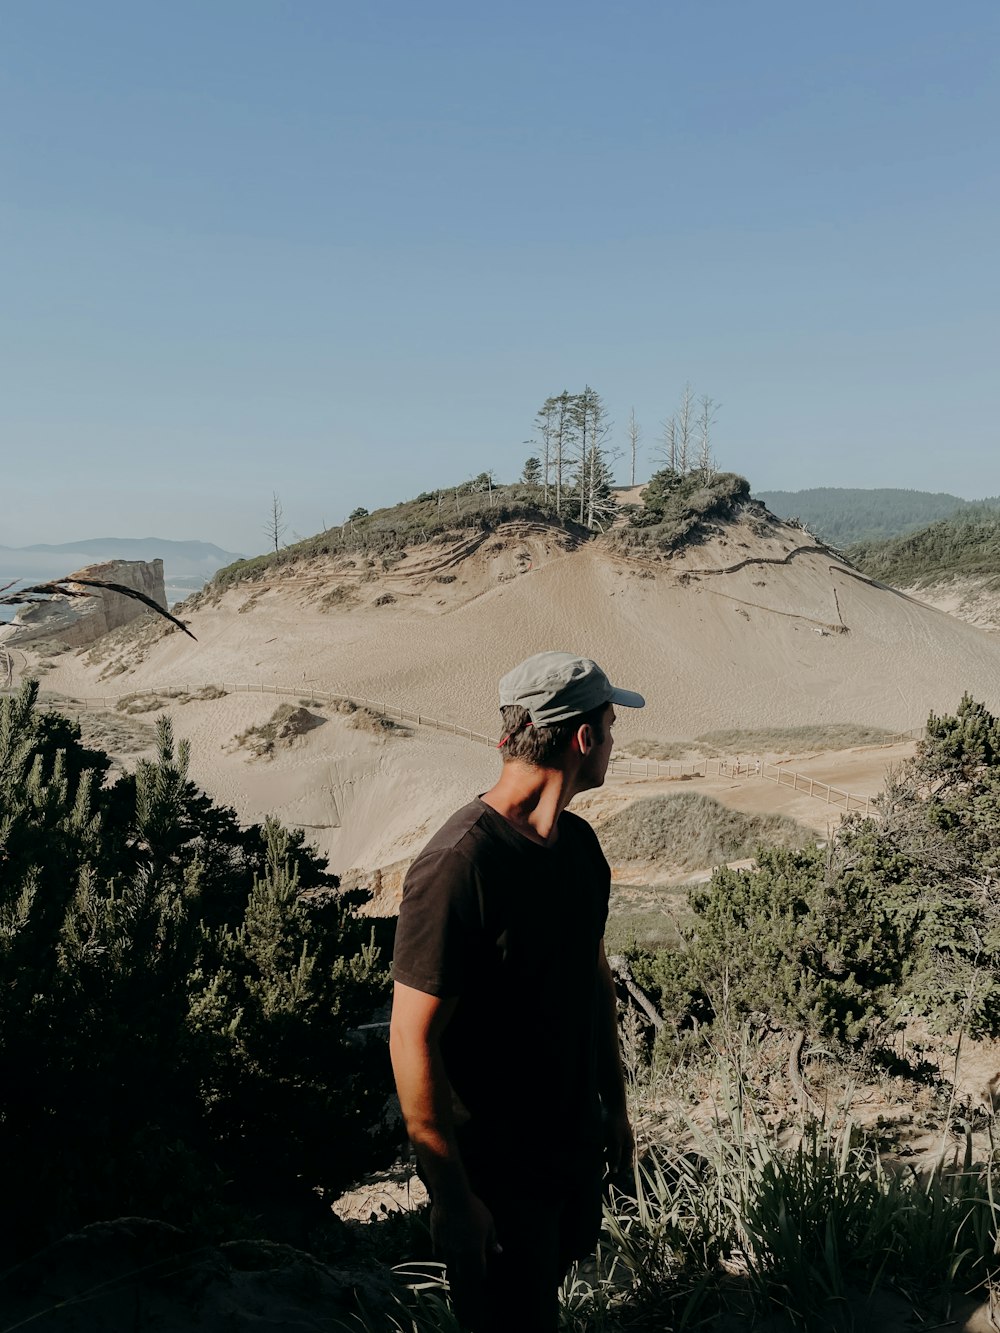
point(621, 767)
point(711, 767)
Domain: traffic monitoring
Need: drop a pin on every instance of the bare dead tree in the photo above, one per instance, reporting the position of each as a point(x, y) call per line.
point(545, 420)
point(685, 425)
point(669, 449)
point(706, 418)
point(634, 433)
point(275, 525)
point(563, 436)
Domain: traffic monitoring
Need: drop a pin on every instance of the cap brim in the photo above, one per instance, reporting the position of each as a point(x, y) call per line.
point(627, 698)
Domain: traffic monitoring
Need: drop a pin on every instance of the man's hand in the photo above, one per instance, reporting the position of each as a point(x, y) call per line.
point(463, 1235)
point(619, 1142)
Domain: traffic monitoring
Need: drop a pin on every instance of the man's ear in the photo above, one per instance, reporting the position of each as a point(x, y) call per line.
point(585, 738)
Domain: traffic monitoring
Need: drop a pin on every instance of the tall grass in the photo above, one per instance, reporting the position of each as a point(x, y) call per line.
point(763, 740)
point(817, 1228)
point(735, 1215)
point(433, 515)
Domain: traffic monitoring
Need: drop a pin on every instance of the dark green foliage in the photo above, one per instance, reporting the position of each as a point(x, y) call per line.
point(531, 473)
point(680, 508)
point(176, 1014)
point(900, 915)
point(843, 516)
point(798, 942)
point(966, 545)
point(939, 836)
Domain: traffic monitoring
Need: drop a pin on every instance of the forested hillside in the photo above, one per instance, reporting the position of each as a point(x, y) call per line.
point(967, 545)
point(844, 516)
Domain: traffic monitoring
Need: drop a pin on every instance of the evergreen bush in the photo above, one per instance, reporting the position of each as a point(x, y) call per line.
point(899, 916)
point(677, 508)
point(180, 1002)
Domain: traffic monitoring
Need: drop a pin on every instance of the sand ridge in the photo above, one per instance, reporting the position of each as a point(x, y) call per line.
point(755, 627)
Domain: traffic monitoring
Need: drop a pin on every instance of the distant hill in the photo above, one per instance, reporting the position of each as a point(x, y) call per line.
point(187, 566)
point(843, 516)
point(182, 557)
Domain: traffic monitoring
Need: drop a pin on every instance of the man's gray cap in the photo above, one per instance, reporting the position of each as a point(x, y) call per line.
point(554, 687)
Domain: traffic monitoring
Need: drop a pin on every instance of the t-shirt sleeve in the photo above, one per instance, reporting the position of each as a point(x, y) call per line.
point(440, 924)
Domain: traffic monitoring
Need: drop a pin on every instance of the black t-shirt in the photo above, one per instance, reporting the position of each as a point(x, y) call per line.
point(513, 930)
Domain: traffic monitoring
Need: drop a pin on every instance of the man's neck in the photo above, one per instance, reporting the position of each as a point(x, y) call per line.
point(532, 799)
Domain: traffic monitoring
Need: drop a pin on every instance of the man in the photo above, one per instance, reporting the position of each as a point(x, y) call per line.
point(504, 1034)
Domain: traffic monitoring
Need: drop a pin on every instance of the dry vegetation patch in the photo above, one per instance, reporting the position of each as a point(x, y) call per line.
point(287, 722)
point(118, 736)
point(646, 916)
point(126, 647)
point(691, 831)
point(45, 653)
point(367, 719)
point(764, 740)
point(647, 747)
point(797, 740)
point(341, 595)
point(149, 701)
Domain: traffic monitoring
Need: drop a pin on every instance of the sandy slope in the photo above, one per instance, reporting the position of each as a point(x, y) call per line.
point(969, 599)
point(758, 647)
point(766, 644)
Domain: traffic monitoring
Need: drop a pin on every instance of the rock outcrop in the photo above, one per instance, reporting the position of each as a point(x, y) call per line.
point(77, 621)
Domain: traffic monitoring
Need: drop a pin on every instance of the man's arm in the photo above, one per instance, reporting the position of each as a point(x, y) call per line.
point(461, 1225)
point(418, 1020)
point(620, 1143)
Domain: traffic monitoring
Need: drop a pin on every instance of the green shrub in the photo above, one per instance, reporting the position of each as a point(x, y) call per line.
point(679, 508)
point(432, 516)
point(898, 916)
point(178, 1002)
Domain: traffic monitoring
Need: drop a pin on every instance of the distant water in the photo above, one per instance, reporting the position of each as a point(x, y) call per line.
point(9, 612)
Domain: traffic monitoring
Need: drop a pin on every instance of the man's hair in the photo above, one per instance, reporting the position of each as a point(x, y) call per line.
point(543, 746)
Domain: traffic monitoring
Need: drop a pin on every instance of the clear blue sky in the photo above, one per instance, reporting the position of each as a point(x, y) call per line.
point(344, 251)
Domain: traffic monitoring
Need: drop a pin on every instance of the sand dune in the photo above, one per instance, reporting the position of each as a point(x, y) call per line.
point(769, 644)
point(754, 628)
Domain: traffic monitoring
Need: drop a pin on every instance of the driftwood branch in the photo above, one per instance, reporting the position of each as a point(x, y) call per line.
point(796, 1075)
point(70, 587)
point(623, 974)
